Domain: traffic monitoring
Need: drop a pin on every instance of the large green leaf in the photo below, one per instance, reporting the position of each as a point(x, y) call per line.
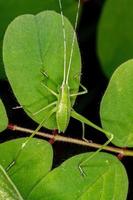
point(8, 191)
point(105, 179)
point(115, 43)
point(117, 106)
point(32, 43)
point(3, 117)
point(12, 8)
point(33, 163)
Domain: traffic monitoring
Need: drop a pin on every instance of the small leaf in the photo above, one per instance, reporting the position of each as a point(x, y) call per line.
point(8, 191)
point(116, 108)
point(105, 179)
point(115, 43)
point(31, 45)
point(3, 117)
point(33, 163)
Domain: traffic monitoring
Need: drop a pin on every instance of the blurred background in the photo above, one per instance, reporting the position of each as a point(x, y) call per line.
point(101, 36)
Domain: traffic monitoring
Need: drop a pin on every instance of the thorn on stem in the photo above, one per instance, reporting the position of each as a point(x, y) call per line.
point(120, 156)
point(54, 133)
point(11, 127)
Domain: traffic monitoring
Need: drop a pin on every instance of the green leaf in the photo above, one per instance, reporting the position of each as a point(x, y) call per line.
point(12, 8)
point(3, 117)
point(33, 163)
point(105, 179)
point(115, 43)
point(117, 106)
point(7, 188)
point(35, 43)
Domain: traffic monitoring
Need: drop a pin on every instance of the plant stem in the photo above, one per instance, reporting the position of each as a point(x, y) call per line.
point(122, 151)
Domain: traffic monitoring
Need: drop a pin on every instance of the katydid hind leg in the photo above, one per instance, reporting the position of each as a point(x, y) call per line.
point(39, 126)
point(29, 139)
point(84, 164)
point(82, 119)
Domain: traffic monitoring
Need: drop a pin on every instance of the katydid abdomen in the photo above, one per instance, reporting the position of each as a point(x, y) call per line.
point(63, 108)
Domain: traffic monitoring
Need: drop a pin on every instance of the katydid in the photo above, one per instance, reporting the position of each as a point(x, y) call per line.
point(62, 106)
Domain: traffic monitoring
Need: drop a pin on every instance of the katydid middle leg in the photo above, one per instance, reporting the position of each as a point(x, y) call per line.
point(83, 132)
point(80, 93)
point(45, 108)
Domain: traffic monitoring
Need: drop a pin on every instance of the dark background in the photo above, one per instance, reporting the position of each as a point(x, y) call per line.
point(88, 105)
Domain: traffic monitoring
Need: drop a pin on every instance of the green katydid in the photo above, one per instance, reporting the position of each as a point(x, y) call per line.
point(61, 106)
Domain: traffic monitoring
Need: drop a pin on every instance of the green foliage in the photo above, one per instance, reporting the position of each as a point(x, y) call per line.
point(105, 176)
point(34, 43)
point(32, 165)
point(3, 117)
point(7, 188)
point(117, 106)
point(12, 8)
point(29, 47)
point(105, 179)
point(115, 43)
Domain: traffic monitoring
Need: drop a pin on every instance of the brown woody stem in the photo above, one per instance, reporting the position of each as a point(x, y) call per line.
point(122, 151)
